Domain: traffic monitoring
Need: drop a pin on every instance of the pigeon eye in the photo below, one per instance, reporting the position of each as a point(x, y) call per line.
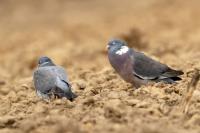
point(43, 60)
point(40, 62)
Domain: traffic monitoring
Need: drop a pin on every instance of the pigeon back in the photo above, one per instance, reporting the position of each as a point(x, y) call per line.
point(44, 79)
point(60, 72)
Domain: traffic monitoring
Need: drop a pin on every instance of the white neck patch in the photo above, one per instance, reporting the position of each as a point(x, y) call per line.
point(123, 50)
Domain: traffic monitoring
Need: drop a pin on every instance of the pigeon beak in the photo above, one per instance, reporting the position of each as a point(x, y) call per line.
point(107, 47)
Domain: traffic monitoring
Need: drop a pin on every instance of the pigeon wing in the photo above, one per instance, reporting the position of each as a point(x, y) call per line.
point(65, 89)
point(61, 79)
point(147, 68)
point(61, 73)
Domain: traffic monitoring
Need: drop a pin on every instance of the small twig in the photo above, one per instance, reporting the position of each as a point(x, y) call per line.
point(190, 90)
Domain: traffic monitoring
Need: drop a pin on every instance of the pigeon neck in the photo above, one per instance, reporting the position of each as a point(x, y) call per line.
point(47, 64)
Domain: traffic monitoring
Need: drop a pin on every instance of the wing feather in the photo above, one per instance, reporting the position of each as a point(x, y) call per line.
point(149, 69)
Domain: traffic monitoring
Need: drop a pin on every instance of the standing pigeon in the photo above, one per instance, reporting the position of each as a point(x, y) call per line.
point(136, 68)
point(50, 79)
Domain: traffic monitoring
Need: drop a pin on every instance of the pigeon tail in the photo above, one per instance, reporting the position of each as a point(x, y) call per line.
point(171, 76)
point(172, 73)
point(71, 96)
point(66, 89)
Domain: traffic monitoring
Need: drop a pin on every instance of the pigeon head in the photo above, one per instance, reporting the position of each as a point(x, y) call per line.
point(45, 61)
point(117, 46)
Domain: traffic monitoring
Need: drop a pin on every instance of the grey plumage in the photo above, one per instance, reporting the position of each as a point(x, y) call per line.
point(136, 68)
point(50, 79)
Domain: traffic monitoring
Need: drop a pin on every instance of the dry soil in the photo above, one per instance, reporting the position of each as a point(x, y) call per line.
point(74, 33)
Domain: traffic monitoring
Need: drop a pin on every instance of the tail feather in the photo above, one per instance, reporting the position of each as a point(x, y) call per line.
point(176, 78)
point(170, 76)
point(170, 73)
point(71, 96)
point(169, 80)
point(65, 89)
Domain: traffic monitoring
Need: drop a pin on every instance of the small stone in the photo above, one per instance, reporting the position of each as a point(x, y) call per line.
point(196, 95)
point(132, 102)
point(142, 105)
point(81, 85)
point(25, 86)
point(4, 90)
point(2, 82)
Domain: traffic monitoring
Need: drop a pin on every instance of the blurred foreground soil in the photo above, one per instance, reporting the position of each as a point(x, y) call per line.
point(74, 34)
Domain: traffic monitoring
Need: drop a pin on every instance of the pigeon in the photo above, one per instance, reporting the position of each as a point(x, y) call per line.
point(51, 80)
point(137, 68)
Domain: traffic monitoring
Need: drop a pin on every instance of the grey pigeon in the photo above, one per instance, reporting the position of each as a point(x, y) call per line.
point(50, 79)
point(136, 68)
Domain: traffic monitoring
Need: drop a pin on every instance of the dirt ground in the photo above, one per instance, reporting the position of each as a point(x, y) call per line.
point(75, 34)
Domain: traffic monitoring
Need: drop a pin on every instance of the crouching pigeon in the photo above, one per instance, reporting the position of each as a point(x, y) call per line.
point(136, 68)
point(51, 80)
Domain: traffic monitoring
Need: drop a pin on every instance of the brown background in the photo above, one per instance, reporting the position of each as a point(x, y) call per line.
point(75, 34)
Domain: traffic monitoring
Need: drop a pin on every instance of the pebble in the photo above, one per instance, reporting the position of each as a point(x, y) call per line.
point(4, 90)
point(132, 102)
